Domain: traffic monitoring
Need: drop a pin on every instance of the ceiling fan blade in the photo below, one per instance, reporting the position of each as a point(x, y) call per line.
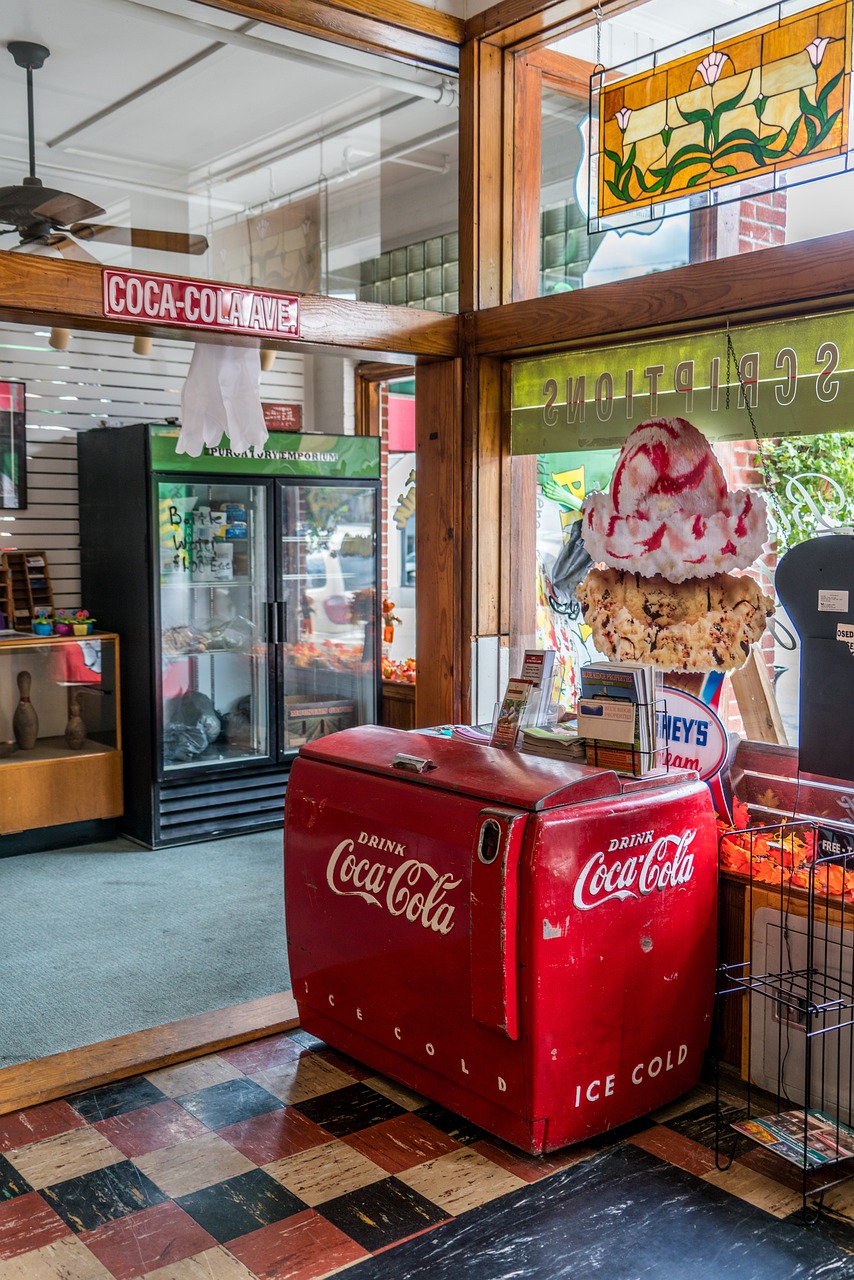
point(70, 249)
point(62, 207)
point(140, 237)
point(32, 204)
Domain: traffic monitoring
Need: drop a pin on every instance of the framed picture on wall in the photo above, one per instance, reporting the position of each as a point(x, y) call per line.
point(13, 445)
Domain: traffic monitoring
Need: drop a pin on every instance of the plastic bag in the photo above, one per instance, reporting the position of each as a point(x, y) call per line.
point(570, 568)
point(193, 726)
point(222, 396)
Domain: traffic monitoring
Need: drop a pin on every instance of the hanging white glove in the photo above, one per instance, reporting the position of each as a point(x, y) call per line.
point(222, 396)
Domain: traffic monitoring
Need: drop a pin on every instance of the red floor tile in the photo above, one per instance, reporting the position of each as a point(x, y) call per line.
point(23, 1127)
point(676, 1149)
point(164, 1124)
point(28, 1223)
point(400, 1143)
point(300, 1248)
point(274, 1136)
point(262, 1054)
point(147, 1240)
point(531, 1168)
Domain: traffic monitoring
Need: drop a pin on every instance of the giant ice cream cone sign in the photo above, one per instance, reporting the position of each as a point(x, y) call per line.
point(667, 541)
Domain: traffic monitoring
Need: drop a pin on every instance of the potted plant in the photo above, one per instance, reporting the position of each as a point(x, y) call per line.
point(64, 624)
point(42, 622)
point(82, 623)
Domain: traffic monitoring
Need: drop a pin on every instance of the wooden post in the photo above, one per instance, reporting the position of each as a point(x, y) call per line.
point(757, 704)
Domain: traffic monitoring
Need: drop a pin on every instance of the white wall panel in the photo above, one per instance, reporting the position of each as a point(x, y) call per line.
point(97, 382)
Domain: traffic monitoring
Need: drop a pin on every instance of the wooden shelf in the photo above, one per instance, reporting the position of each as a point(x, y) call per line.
point(26, 587)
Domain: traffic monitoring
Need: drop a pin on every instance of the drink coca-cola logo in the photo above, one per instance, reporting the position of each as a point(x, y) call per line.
point(411, 889)
point(667, 862)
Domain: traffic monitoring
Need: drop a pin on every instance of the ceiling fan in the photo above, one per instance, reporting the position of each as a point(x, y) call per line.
point(45, 216)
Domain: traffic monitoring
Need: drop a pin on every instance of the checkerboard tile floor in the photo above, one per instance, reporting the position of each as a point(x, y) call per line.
point(283, 1158)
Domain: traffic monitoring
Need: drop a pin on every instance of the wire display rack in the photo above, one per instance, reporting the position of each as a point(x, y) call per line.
point(796, 984)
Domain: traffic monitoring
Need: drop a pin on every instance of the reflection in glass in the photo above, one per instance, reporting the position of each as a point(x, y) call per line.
point(329, 586)
point(812, 493)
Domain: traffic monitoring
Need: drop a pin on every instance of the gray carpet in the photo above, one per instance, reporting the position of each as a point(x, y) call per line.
point(104, 939)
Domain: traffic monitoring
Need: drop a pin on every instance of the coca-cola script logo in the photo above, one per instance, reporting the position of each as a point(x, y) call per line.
point(412, 889)
point(666, 862)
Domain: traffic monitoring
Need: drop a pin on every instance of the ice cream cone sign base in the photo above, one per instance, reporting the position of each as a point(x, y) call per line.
point(665, 539)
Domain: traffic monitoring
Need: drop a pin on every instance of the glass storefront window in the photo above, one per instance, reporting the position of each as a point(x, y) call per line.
point(635, 36)
point(570, 257)
point(782, 432)
point(813, 494)
point(297, 159)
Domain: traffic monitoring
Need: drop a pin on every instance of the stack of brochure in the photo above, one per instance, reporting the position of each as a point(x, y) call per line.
point(807, 1139)
point(554, 741)
point(616, 715)
point(530, 699)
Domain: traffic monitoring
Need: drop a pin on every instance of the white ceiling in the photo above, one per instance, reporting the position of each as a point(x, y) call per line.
point(266, 115)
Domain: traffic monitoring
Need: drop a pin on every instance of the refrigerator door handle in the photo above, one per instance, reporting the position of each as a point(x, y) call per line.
point(281, 622)
point(496, 855)
point(272, 623)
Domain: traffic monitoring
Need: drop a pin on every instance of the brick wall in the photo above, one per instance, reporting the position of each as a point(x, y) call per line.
point(762, 221)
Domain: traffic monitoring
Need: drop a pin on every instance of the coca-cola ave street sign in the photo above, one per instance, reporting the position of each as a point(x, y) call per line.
point(199, 304)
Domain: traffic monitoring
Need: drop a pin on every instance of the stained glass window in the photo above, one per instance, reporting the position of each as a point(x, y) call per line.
point(750, 107)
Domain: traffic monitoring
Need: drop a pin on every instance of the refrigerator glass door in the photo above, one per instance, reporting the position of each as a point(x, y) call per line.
point(214, 685)
point(328, 619)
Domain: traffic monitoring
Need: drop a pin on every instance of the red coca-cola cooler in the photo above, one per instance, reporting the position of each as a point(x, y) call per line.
point(530, 943)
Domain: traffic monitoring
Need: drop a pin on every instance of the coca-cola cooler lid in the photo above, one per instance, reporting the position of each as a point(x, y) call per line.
point(466, 768)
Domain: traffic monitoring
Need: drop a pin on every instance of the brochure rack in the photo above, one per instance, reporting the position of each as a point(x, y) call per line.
point(796, 983)
point(629, 758)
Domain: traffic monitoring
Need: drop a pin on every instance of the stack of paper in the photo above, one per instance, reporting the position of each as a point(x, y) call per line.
point(554, 741)
point(616, 715)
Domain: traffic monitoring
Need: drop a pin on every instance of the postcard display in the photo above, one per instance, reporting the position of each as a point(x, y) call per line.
point(797, 970)
point(244, 587)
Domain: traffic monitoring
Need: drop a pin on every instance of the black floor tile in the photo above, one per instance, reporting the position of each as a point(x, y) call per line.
point(92, 1199)
point(230, 1102)
point(382, 1213)
point(239, 1205)
point(11, 1182)
point(620, 1215)
point(307, 1040)
point(350, 1109)
point(116, 1099)
point(463, 1131)
point(700, 1125)
point(827, 1227)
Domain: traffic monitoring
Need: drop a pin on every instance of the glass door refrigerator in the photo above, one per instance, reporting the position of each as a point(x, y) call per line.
point(246, 591)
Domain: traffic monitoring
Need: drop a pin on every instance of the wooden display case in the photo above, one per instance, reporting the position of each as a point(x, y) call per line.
point(398, 705)
point(51, 782)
